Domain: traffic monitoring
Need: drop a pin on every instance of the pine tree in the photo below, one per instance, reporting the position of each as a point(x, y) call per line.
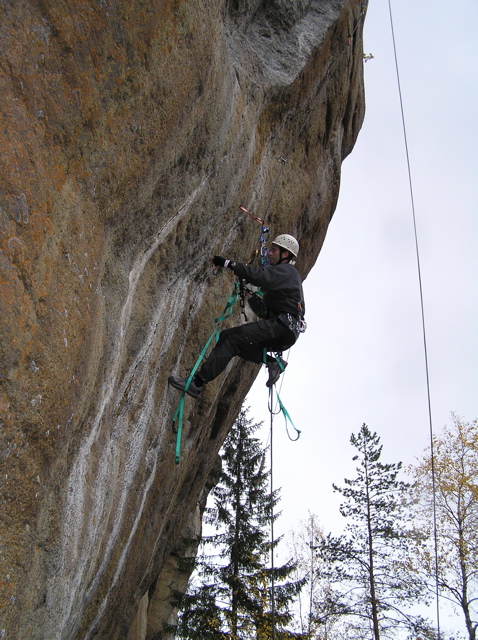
point(232, 591)
point(368, 566)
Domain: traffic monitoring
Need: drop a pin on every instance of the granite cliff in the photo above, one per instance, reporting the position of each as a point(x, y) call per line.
point(130, 133)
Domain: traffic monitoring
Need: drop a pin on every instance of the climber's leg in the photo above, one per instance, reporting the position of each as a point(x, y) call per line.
point(247, 341)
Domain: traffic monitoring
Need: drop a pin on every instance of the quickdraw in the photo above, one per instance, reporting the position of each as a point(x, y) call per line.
point(263, 238)
point(242, 298)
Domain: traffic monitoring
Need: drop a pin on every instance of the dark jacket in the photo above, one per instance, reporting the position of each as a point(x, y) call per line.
point(282, 287)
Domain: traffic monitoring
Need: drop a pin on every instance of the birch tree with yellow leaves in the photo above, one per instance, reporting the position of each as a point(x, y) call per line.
point(447, 512)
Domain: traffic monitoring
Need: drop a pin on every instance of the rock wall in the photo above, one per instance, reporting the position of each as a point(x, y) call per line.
point(130, 133)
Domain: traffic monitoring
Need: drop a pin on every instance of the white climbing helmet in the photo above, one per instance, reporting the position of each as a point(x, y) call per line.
point(287, 242)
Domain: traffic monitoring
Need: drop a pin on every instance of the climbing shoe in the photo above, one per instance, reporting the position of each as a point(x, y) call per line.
point(180, 383)
point(275, 370)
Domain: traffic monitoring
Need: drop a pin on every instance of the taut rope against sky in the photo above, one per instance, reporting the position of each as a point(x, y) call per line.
point(422, 306)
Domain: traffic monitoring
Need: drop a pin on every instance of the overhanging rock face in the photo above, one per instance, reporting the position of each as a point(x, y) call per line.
point(130, 134)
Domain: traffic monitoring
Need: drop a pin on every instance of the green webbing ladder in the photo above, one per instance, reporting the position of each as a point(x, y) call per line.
point(178, 415)
point(281, 406)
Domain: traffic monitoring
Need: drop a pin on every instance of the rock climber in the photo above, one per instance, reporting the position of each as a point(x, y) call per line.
point(281, 311)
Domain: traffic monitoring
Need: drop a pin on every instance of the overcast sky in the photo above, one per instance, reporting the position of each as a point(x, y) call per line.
point(362, 357)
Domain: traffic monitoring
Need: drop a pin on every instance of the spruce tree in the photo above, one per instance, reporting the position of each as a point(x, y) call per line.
point(230, 596)
point(373, 585)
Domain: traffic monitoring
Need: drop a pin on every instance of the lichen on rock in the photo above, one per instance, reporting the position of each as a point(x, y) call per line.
point(131, 134)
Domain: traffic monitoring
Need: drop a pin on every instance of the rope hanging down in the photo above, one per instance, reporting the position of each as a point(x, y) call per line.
point(422, 307)
point(273, 600)
point(282, 160)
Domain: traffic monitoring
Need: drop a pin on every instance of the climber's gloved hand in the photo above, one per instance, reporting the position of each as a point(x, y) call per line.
point(218, 261)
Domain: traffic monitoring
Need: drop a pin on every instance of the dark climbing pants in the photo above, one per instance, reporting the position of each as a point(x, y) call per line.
point(247, 341)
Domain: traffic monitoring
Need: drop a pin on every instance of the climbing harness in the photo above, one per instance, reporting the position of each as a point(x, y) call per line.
point(296, 324)
point(179, 413)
